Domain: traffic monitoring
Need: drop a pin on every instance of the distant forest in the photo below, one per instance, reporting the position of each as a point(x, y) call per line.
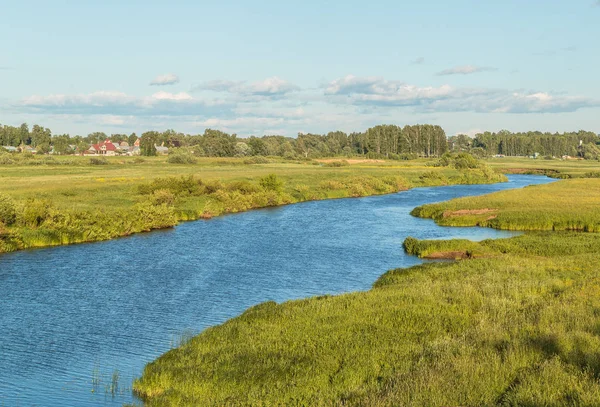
point(384, 141)
point(574, 144)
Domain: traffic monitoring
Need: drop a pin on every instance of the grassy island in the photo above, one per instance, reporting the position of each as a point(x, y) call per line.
point(515, 322)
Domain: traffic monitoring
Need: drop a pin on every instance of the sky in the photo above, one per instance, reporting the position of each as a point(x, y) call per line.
point(271, 67)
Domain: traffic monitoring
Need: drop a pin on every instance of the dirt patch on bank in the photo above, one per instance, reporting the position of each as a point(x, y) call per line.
point(463, 212)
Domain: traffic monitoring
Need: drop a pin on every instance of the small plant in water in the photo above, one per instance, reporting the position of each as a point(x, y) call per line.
point(113, 386)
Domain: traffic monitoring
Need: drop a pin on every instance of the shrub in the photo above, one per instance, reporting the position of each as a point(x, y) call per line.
point(36, 211)
point(407, 156)
point(271, 182)
point(98, 161)
point(331, 184)
point(6, 159)
point(342, 163)
point(177, 185)
point(163, 197)
point(245, 187)
point(8, 210)
point(256, 160)
point(182, 158)
point(155, 217)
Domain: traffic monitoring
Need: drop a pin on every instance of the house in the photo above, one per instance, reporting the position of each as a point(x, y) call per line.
point(135, 150)
point(10, 149)
point(124, 145)
point(90, 151)
point(106, 148)
point(137, 143)
point(161, 150)
point(27, 149)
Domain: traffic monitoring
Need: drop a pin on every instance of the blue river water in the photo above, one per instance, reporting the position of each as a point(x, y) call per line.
point(80, 322)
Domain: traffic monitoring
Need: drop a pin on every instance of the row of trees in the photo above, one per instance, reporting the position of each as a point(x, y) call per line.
point(378, 142)
point(527, 144)
point(384, 141)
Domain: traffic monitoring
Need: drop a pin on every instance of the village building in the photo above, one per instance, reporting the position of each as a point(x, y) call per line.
point(106, 148)
point(161, 150)
point(27, 149)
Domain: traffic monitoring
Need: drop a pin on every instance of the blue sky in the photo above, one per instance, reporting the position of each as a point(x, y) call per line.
point(269, 67)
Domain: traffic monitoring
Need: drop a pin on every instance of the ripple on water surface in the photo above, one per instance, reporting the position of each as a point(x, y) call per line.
point(71, 316)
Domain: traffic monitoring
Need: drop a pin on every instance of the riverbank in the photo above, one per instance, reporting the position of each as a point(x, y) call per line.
point(513, 324)
point(65, 202)
point(565, 205)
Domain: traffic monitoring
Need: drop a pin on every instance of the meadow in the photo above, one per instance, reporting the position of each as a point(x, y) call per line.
point(64, 200)
point(513, 322)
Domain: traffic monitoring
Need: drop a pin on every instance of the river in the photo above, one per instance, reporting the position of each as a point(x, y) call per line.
point(80, 322)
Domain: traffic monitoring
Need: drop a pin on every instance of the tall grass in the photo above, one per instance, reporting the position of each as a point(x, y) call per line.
point(564, 205)
point(71, 204)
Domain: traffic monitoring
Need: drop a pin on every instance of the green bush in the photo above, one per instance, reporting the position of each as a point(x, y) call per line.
point(177, 185)
point(182, 158)
point(36, 211)
point(271, 182)
point(6, 159)
point(342, 163)
point(98, 161)
point(163, 197)
point(8, 210)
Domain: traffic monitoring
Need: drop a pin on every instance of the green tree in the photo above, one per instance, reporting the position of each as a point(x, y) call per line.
point(148, 143)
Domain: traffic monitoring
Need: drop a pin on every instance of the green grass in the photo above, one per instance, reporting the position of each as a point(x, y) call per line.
point(512, 330)
point(554, 168)
point(515, 324)
point(66, 200)
point(572, 204)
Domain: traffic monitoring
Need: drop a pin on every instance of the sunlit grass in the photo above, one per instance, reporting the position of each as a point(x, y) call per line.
point(565, 205)
point(82, 202)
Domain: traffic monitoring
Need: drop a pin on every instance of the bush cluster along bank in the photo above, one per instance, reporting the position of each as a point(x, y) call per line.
point(517, 323)
point(97, 208)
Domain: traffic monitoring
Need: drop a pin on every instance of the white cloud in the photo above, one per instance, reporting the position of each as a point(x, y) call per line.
point(419, 61)
point(119, 104)
point(348, 103)
point(172, 96)
point(465, 70)
point(270, 87)
point(167, 79)
point(375, 91)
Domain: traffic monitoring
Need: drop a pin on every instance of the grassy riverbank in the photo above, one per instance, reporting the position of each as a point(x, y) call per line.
point(67, 200)
point(517, 323)
point(572, 204)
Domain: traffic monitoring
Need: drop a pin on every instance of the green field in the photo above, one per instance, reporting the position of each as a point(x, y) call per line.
point(516, 323)
point(65, 200)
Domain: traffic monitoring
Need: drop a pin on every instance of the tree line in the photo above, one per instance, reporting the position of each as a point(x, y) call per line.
point(582, 143)
point(383, 141)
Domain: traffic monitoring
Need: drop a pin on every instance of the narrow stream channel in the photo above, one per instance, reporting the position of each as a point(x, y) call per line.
point(80, 322)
